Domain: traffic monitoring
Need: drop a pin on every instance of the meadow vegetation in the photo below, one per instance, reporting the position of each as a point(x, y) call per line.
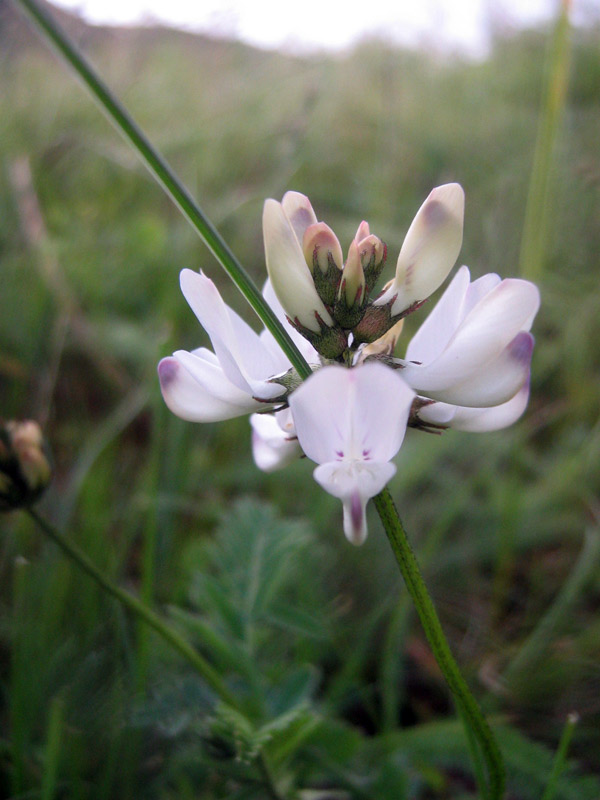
point(318, 637)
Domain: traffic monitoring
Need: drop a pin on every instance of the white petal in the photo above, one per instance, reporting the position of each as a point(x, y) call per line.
point(357, 413)
point(478, 290)
point(186, 398)
point(449, 312)
point(257, 361)
point(495, 382)
point(437, 413)
point(478, 420)
point(212, 377)
point(306, 349)
point(354, 482)
point(286, 422)
point(430, 248)
point(436, 331)
point(244, 359)
point(490, 326)
point(299, 211)
point(291, 278)
point(272, 448)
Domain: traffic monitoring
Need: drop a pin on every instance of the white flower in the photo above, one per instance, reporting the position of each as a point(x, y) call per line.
point(274, 440)
point(429, 251)
point(467, 367)
point(352, 422)
point(473, 353)
point(202, 386)
point(284, 225)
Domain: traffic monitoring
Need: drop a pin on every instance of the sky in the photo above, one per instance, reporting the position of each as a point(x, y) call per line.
point(461, 25)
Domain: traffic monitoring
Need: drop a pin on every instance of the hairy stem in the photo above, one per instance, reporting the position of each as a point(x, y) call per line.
point(468, 706)
point(143, 612)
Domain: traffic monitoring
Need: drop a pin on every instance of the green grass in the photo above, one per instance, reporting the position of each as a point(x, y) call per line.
point(329, 660)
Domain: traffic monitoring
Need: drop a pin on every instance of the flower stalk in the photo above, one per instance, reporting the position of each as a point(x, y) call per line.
point(468, 706)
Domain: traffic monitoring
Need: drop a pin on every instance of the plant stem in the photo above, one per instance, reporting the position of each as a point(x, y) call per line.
point(537, 210)
point(531, 653)
point(164, 175)
point(468, 706)
point(267, 776)
point(561, 756)
point(208, 673)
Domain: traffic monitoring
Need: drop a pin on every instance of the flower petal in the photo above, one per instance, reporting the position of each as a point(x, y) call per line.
point(478, 420)
point(272, 448)
point(354, 482)
point(188, 399)
point(495, 382)
point(357, 413)
point(243, 357)
point(299, 211)
point(485, 332)
point(290, 276)
point(436, 331)
point(212, 378)
point(430, 248)
point(437, 413)
point(306, 349)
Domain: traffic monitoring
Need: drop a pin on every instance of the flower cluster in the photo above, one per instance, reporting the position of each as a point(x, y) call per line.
point(467, 367)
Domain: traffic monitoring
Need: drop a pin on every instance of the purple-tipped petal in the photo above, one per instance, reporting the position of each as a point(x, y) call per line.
point(479, 339)
point(290, 276)
point(430, 248)
point(496, 382)
point(188, 399)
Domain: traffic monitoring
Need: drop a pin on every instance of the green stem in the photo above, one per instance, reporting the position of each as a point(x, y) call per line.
point(537, 210)
point(164, 175)
point(417, 589)
point(267, 776)
point(531, 653)
point(475, 752)
point(138, 608)
point(560, 758)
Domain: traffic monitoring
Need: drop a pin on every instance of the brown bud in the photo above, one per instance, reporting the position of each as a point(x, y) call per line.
point(24, 467)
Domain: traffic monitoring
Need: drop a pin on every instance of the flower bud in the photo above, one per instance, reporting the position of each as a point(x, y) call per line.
point(321, 247)
point(375, 322)
point(373, 253)
point(350, 302)
point(24, 468)
point(290, 277)
point(429, 250)
point(384, 346)
point(299, 211)
point(323, 254)
point(363, 231)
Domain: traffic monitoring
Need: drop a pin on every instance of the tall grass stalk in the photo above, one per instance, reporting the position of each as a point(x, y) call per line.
point(561, 756)
point(535, 647)
point(52, 754)
point(537, 211)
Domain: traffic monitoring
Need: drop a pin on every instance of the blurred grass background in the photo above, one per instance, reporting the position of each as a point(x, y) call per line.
point(506, 524)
